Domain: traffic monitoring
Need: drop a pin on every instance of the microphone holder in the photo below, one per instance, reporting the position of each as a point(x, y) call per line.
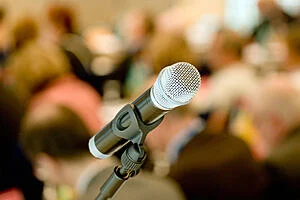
point(134, 156)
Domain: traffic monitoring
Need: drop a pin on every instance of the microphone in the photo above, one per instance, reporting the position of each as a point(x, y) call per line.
point(175, 86)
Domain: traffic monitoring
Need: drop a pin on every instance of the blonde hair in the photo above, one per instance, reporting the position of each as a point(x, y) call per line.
point(231, 42)
point(165, 49)
point(34, 65)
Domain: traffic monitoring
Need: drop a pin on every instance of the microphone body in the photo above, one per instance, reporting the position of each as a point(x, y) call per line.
point(106, 142)
point(175, 86)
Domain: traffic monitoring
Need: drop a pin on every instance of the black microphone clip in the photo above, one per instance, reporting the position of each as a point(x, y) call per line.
point(134, 130)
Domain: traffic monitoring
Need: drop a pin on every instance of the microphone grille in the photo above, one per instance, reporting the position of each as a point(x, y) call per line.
point(175, 86)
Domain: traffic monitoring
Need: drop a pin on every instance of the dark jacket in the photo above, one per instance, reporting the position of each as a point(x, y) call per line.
point(284, 169)
point(218, 167)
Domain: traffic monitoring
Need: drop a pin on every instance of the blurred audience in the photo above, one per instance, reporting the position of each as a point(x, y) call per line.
point(226, 50)
point(217, 165)
point(24, 31)
point(274, 18)
point(62, 20)
point(111, 62)
point(56, 139)
point(231, 79)
point(4, 41)
point(64, 31)
point(275, 110)
point(166, 49)
point(83, 100)
point(33, 67)
point(167, 140)
point(136, 28)
point(293, 45)
point(16, 176)
point(40, 72)
point(209, 156)
point(236, 139)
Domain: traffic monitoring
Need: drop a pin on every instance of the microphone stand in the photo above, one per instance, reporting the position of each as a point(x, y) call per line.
point(134, 156)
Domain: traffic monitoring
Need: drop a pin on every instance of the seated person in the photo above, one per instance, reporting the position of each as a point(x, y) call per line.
point(16, 176)
point(217, 165)
point(56, 140)
point(275, 110)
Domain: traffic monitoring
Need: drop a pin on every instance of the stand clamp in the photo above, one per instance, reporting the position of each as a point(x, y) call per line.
point(134, 156)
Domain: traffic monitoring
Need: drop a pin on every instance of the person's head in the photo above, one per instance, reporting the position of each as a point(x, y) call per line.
point(226, 49)
point(25, 30)
point(2, 14)
point(174, 124)
point(33, 66)
point(53, 136)
point(165, 49)
point(274, 108)
point(135, 27)
point(268, 8)
point(221, 94)
point(62, 19)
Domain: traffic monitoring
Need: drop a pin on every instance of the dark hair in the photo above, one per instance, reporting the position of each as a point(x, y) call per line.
point(24, 31)
point(58, 132)
point(11, 114)
point(293, 37)
point(62, 16)
point(149, 22)
point(2, 13)
point(232, 42)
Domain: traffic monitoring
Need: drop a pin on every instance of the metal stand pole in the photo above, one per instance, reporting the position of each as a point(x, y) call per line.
point(134, 156)
point(132, 159)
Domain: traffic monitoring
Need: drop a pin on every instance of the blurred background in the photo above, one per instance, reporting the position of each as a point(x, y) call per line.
point(67, 67)
point(93, 12)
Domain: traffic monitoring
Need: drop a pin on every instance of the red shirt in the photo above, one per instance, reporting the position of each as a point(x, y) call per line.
point(11, 194)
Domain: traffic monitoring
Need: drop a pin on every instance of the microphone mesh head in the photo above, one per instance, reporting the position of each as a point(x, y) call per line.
point(175, 86)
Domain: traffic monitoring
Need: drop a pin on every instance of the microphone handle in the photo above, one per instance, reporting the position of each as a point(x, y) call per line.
point(147, 112)
point(146, 109)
